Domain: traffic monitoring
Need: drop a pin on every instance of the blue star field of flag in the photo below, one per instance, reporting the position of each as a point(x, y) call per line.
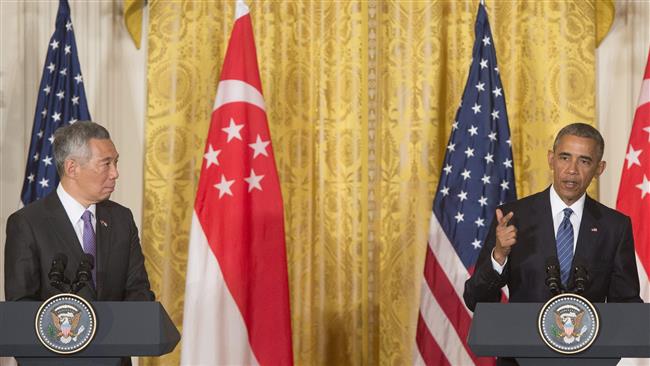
point(478, 173)
point(61, 100)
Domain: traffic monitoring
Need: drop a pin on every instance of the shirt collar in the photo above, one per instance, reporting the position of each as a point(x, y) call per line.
point(557, 205)
point(72, 207)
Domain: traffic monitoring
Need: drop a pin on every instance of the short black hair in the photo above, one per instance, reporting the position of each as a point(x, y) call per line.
point(582, 130)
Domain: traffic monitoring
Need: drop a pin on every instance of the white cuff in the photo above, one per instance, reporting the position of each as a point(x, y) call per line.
point(497, 267)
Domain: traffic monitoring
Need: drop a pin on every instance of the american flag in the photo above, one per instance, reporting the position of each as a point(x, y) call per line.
point(61, 100)
point(478, 175)
point(634, 190)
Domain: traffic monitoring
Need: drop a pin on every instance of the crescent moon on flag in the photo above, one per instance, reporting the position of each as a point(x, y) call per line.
point(232, 91)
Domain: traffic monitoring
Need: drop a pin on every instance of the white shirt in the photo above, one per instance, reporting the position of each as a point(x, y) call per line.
point(75, 210)
point(557, 210)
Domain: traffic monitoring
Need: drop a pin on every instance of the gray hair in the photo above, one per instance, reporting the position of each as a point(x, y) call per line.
point(72, 140)
point(582, 130)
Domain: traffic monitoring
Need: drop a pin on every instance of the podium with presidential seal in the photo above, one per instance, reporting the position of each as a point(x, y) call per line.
point(566, 330)
point(67, 329)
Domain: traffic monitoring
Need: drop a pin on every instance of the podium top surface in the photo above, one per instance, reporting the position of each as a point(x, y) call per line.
point(511, 330)
point(123, 329)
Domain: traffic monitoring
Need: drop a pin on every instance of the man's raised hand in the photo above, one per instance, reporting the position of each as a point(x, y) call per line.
point(506, 236)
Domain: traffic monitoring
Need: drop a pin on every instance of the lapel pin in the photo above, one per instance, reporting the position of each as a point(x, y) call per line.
point(594, 229)
point(106, 225)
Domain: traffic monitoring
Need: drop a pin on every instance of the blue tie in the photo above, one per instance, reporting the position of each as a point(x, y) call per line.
point(564, 241)
point(89, 243)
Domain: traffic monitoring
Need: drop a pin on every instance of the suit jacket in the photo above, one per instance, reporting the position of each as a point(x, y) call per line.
point(605, 248)
point(42, 229)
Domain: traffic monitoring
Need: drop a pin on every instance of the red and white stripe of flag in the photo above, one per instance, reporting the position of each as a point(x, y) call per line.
point(444, 320)
point(237, 294)
point(634, 190)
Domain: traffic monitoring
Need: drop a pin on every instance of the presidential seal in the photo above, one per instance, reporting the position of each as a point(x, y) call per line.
point(65, 323)
point(568, 323)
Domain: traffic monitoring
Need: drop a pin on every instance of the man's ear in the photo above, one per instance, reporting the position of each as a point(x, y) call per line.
point(70, 168)
point(601, 168)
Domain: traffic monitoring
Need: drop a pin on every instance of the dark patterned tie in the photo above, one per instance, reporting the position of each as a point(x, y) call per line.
point(564, 242)
point(89, 241)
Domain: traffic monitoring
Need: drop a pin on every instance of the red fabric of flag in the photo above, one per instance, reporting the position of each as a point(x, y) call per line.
point(237, 294)
point(634, 190)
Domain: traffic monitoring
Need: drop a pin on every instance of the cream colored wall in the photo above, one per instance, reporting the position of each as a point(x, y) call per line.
point(621, 60)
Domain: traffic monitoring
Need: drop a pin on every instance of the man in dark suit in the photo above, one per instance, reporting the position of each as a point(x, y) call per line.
point(560, 225)
point(75, 219)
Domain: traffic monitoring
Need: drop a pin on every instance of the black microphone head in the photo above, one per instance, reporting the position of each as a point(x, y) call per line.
point(580, 277)
point(552, 266)
point(89, 259)
point(553, 280)
point(61, 259)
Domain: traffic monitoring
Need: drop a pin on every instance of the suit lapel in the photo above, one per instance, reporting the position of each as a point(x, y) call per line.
point(588, 234)
point(546, 233)
point(103, 233)
point(62, 225)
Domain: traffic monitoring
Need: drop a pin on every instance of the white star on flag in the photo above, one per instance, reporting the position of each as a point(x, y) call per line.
point(233, 130)
point(644, 186)
point(254, 181)
point(224, 186)
point(632, 157)
point(259, 147)
point(211, 157)
point(47, 161)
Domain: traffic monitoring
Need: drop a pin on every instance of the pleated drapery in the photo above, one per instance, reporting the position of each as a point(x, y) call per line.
point(360, 99)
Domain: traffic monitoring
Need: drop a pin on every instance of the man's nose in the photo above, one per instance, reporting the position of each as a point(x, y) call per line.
point(114, 173)
point(573, 167)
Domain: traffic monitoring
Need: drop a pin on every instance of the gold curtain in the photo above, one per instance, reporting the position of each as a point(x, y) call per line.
point(360, 99)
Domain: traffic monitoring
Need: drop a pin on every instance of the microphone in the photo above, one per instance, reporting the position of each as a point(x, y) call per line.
point(553, 279)
point(57, 272)
point(84, 273)
point(581, 278)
